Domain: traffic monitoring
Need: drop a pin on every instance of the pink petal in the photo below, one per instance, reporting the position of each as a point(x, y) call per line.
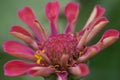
point(97, 12)
point(108, 38)
point(19, 50)
point(27, 16)
point(52, 11)
point(24, 35)
point(80, 70)
point(41, 30)
point(110, 33)
point(19, 29)
point(64, 59)
point(92, 29)
point(100, 11)
point(84, 34)
point(88, 53)
point(71, 12)
point(96, 28)
point(41, 71)
point(82, 40)
point(16, 68)
point(62, 76)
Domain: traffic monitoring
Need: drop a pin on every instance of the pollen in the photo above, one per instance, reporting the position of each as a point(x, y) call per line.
point(58, 71)
point(80, 53)
point(43, 51)
point(68, 65)
point(57, 66)
point(39, 58)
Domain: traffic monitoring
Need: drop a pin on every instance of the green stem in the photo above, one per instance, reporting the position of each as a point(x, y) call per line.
point(70, 77)
point(51, 77)
point(73, 77)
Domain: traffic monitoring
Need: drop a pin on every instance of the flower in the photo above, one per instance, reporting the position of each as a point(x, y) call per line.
point(55, 53)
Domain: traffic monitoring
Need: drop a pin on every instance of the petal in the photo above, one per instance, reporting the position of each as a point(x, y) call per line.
point(80, 70)
point(71, 12)
point(91, 25)
point(52, 11)
point(84, 35)
point(64, 59)
point(24, 35)
point(41, 29)
point(19, 29)
point(97, 27)
point(62, 76)
point(19, 50)
point(88, 53)
point(16, 68)
point(82, 40)
point(27, 16)
point(98, 11)
point(41, 71)
point(108, 38)
point(92, 29)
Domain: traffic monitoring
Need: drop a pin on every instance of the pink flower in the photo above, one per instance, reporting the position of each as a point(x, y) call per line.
point(56, 53)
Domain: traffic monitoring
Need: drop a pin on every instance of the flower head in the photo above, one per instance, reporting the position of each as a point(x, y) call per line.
point(56, 53)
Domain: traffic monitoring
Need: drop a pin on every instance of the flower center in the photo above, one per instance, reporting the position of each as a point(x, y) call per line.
point(59, 45)
point(59, 51)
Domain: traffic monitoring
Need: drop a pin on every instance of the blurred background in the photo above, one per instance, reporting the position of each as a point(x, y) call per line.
point(104, 66)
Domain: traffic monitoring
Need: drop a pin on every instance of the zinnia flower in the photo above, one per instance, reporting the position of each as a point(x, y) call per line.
point(56, 54)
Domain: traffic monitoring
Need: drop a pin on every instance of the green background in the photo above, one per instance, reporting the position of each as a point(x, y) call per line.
point(104, 66)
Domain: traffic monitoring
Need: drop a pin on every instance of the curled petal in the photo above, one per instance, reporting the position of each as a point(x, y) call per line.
point(62, 76)
point(41, 71)
point(52, 11)
point(90, 26)
point(19, 29)
point(19, 50)
point(80, 70)
point(16, 68)
point(89, 52)
point(97, 27)
point(24, 35)
point(108, 38)
point(41, 29)
point(27, 16)
point(97, 12)
point(71, 12)
point(84, 34)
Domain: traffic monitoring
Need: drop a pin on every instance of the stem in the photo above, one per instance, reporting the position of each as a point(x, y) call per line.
point(51, 77)
point(70, 77)
point(73, 77)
